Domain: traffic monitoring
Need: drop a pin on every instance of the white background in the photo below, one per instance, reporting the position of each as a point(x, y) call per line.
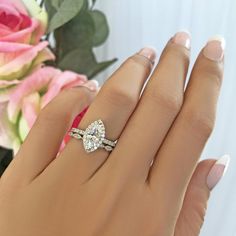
point(136, 23)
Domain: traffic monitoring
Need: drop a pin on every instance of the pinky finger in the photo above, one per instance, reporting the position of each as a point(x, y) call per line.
point(206, 176)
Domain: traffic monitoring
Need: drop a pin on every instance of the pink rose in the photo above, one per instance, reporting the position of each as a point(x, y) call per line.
point(22, 24)
point(21, 106)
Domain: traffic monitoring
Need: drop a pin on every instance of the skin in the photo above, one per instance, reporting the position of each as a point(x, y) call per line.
point(149, 185)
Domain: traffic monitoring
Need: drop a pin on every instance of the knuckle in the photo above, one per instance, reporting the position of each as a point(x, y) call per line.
point(209, 70)
point(76, 93)
point(171, 102)
point(213, 74)
point(72, 96)
point(62, 106)
point(120, 97)
point(177, 53)
point(201, 123)
point(49, 115)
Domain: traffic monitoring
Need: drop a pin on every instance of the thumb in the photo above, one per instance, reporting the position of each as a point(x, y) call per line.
point(205, 177)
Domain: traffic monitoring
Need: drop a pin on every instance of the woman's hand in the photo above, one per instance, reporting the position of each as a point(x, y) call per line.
point(143, 186)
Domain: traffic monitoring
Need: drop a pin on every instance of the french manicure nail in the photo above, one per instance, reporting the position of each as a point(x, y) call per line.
point(92, 85)
point(149, 53)
point(217, 171)
point(214, 49)
point(182, 38)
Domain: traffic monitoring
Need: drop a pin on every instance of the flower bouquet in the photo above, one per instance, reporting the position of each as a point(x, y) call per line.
point(45, 48)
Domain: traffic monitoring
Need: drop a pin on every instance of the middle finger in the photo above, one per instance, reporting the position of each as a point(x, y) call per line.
point(157, 109)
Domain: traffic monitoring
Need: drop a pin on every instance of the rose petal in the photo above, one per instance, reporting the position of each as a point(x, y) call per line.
point(6, 83)
point(22, 36)
point(63, 144)
point(26, 21)
point(7, 130)
point(38, 13)
point(13, 22)
point(34, 82)
point(16, 68)
point(18, 4)
point(4, 30)
point(9, 8)
point(6, 47)
point(23, 128)
point(75, 123)
point(31, 108)
point(65, 79)
point(44, 55)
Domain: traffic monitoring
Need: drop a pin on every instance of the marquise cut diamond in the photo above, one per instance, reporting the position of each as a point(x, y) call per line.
point(94, 136)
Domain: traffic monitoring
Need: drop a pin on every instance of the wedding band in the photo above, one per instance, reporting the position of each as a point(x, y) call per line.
point(93, 137)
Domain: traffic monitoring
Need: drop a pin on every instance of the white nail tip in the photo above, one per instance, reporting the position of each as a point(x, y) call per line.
point(95, 82)
point(185, 31)
point(224, 160)
point(151, 47)
point(219, 38)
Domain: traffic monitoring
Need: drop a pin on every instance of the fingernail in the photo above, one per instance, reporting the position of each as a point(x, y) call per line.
point(217, 171)
point(92, 85)
point(182, 38)
point(149, 53)
point(214, 49)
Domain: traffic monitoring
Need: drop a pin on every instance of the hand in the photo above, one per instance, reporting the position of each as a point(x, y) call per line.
point(142, 187)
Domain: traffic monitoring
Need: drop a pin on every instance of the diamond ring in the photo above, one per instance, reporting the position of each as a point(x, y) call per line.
point(93, 137)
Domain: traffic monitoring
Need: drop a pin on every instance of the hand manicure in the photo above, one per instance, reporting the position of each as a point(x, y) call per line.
point(217, 171)
point(182, 38)
point(214, 49)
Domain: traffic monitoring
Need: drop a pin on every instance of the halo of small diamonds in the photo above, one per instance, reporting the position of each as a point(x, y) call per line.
point(93, 137)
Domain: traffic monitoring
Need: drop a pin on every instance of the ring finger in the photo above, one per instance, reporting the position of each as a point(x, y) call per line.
point(114, 104)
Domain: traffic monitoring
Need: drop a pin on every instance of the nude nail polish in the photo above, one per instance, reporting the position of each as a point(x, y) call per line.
point(92, 85)
point(214, 49)
point(149, 53)
point(217, 171)
point(182, 38)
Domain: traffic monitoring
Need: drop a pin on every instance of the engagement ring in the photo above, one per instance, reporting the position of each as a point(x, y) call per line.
point(93, 137)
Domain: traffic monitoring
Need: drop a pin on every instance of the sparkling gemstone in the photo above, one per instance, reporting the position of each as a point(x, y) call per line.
point(108, 148)
point(94, 136)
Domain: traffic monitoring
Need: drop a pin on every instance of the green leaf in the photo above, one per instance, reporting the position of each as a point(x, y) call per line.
point(56, 3)
point(102, 66)
point(6, 156)
point(78, 32)
point(51, 10)
point(101, 27)
point(83, 61)
point(65, 11)
point(86, 5)
point(93, 2)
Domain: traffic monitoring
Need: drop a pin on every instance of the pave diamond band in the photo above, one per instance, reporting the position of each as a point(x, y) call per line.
point(93, 137)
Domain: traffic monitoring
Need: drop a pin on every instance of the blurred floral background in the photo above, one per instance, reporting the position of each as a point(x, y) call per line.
point(45, 47)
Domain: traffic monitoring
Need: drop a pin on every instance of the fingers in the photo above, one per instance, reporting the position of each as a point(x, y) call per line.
point(194, 206)
point(184, 143)
point(205, 177)
point(158, 107)
point(113, 105)
point(43, 141)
